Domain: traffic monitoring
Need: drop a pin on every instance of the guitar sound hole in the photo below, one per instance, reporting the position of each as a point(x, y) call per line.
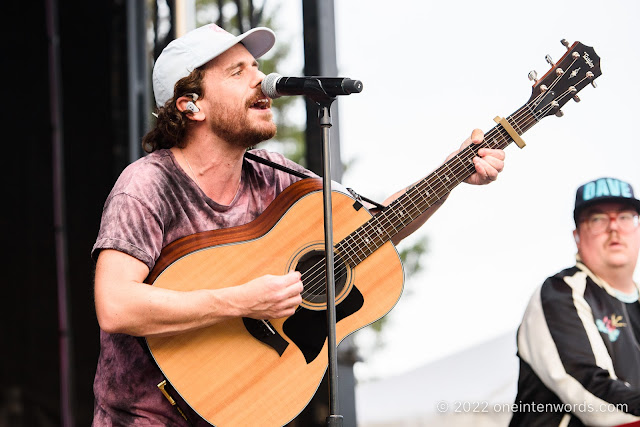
point(312, 266)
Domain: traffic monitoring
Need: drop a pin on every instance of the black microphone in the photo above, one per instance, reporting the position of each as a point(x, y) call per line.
point(275, 86)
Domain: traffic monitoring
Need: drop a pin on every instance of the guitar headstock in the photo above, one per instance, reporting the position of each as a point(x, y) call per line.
point(577, 68)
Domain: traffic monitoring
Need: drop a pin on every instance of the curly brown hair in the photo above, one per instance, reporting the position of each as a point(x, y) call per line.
point(171, 124)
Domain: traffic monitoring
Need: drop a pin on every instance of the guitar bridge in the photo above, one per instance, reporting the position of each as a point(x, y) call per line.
point(263, 331)
point(267, 325)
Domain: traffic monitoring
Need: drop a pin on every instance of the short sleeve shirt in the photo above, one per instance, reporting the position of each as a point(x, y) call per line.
point(153, 203)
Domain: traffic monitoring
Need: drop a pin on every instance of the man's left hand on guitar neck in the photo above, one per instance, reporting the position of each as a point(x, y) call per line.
point(488, 164)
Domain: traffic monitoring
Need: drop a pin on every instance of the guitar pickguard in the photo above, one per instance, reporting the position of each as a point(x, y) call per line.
point(308, 328)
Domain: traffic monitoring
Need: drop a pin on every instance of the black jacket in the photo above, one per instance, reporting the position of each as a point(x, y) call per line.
point(579, 354)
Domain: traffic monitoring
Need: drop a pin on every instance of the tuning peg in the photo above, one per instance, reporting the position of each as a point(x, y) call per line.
point(533, 76)
point(555, 109)
point(590, 76)
point(565, 43)
point(576, 98)
point(549, 60)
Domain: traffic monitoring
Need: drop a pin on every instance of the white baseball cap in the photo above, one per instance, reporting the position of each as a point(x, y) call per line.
point(196, 48)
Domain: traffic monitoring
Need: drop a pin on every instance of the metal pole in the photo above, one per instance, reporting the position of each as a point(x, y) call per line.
point(334, 418)
point(59, 219)
point(320, 60)
point(137, 78)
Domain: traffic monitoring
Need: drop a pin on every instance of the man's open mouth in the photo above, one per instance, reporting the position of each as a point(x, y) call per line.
point(261, 104)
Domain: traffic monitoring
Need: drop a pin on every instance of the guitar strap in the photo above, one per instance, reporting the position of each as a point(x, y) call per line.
point(274, 165)
point(293, 172)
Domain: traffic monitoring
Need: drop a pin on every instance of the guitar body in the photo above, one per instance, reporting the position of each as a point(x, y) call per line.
point(224, 372)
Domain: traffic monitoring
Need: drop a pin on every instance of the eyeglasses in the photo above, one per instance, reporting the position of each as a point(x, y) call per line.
point(599, 222)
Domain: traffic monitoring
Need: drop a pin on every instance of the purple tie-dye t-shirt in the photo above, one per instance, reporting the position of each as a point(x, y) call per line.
point(152, 204)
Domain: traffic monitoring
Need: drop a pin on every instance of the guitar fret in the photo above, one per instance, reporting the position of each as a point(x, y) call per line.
point(456, 177)
point(533, 113)
point(380, 230)
point(356, 247)
point(425, 193)
point(346, 250)
point(386, 217)
point(514, 124)
point(503, 138)
point(437, 175)
point(349, 258)
point(363, 250)
point(402, 216)
point(410, 198)
point(412, 204)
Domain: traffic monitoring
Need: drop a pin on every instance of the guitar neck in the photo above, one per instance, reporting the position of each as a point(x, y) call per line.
point(357, 246)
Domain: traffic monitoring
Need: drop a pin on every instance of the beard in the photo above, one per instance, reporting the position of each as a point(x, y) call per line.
point(235, 127)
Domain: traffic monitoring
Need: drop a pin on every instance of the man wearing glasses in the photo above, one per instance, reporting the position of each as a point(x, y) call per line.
point(578, 343)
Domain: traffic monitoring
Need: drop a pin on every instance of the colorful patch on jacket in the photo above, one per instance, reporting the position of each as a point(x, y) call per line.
point(610, 326)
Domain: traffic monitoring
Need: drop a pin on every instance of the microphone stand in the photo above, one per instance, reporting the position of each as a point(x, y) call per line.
point(324, 114)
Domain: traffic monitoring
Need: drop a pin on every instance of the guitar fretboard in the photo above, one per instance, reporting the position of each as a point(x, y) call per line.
point(361, 243)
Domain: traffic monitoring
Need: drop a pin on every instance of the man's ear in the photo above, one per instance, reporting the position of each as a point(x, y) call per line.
point(187, 104)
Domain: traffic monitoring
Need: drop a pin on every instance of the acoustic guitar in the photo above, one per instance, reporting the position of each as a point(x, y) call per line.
point(252, 372)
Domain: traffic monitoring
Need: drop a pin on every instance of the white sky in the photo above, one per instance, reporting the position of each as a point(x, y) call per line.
point(433, 71)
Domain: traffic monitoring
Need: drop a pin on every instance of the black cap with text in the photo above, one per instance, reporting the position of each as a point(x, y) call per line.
point(604, 190)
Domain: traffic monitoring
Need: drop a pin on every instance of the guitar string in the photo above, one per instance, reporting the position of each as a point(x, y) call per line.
point(341, 270)
point(401, 222)
point(313, 285)
point(516, 118)
point(317, 280)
